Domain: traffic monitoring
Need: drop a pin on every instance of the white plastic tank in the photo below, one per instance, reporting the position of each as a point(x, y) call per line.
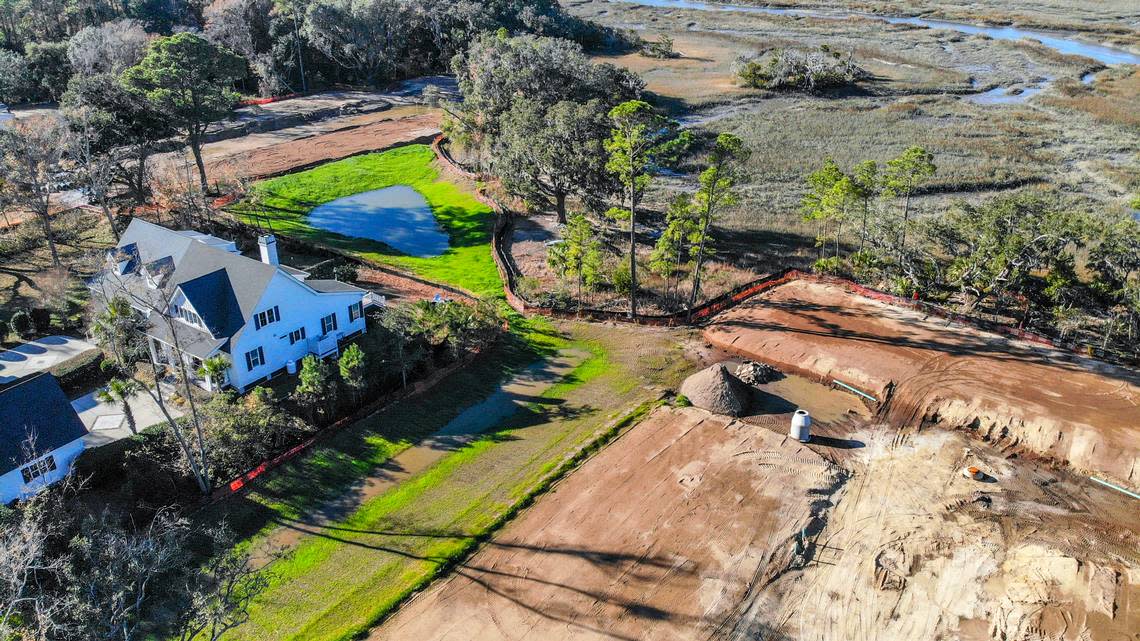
point(801, 426)
point(291, 367)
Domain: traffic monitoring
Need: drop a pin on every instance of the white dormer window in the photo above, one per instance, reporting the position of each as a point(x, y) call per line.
point(185, 314)
point(271, 315)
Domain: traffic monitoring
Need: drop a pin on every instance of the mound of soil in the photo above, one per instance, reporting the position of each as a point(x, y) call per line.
point(716, 390)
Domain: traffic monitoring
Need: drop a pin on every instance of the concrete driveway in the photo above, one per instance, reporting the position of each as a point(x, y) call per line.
point(39, 355)
point(106, 422)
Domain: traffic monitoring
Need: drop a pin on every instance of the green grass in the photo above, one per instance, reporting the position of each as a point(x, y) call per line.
point(336, 585)
point(287, 200)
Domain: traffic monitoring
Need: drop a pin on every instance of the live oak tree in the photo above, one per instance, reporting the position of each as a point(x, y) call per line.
point(497, 71)
point(32, 157)
point(997, 246)
point(116, 126)
point(546, 155)
point(14, 78)
point(368, 37)
point(188, 78)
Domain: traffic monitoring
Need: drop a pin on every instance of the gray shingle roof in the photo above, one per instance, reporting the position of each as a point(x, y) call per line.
point(332, 286)
point(35, 406)
point(223, 287)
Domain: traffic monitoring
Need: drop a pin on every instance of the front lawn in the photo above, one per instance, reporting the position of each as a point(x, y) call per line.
point(287, 200)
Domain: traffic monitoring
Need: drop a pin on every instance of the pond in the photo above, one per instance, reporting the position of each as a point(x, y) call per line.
point(397, 216)
point(1064, 43)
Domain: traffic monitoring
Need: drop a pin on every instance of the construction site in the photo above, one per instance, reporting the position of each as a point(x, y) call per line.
point(841, 468)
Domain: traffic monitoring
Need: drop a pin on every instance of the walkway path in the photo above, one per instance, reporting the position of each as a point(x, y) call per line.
point(521, 389)
point(39, 355)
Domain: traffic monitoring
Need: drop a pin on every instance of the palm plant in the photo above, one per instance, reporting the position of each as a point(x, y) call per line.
point(118, 391)
point(214, 370)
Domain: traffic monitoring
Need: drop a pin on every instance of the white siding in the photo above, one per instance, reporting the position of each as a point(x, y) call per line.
point(299, 306)
point(12, 485)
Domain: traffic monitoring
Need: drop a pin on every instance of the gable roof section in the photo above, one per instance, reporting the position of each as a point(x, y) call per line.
point(213, 297)
point(36, 406)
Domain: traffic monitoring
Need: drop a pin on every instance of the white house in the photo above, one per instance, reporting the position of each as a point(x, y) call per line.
point(40, 437)
point(203, 298)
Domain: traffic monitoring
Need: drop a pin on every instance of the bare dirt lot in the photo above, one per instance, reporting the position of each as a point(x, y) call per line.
point(657, 537)
point(913, 550)
point(697, 526)
point(1026, 398)
point(274, 153)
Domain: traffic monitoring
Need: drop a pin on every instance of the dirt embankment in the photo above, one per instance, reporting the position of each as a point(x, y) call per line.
point(659, 536)
point(913, 550)
point(1071, 410)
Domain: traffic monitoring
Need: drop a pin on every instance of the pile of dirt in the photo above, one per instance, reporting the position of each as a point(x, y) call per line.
point(716, 390)
point(753, 373)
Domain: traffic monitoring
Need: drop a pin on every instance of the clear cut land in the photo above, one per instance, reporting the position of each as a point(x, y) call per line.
point(392, 208)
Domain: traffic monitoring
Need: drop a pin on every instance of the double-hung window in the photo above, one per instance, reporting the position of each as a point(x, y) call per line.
point(254, 358)
point(271, 315)
point(328, 324)
point(355, 311)
point(38, 469)
point(297, 335)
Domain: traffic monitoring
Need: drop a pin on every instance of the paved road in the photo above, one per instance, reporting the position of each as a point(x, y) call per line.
point(39, 355)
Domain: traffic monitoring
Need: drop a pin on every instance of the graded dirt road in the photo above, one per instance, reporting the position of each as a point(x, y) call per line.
point(659, 536)
point(1073, 410)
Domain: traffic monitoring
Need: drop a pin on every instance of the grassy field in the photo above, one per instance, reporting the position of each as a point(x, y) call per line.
point(287, 200)
point(334, 586)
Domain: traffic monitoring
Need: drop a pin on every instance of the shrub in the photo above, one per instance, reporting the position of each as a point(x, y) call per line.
point(662, 48)
point(81, 373)
point(41, 319)
point(796, 70)
point(682, 401)
point(21, 324)
point(621, 279)
point(829, 265)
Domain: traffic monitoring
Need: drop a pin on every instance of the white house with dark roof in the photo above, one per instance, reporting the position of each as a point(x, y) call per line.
point(204, 298)
point(40, 436)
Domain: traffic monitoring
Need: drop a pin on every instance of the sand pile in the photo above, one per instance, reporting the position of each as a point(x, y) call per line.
point(716, 390)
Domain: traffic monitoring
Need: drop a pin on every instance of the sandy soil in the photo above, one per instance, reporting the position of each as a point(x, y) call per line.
point(1030, 399)
point(697, 526)
point(913, 550)
point(657, 537)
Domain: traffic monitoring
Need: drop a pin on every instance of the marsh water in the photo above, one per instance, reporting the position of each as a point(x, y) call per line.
point(1061, 42)
point(397, 216)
